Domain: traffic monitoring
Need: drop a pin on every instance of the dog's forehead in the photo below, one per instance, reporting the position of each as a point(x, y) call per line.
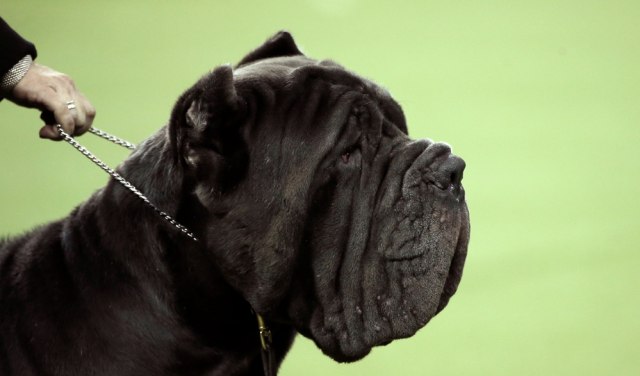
point(274, 69)
point(289, 70)
point(283, 71)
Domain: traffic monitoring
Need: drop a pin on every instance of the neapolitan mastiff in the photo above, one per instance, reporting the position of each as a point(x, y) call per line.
point(313, 209)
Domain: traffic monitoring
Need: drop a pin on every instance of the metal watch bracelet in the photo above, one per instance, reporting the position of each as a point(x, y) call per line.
point(15, 74)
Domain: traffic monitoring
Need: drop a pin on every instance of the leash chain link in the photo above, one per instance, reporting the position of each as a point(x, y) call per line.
point(112, 138)
point(118, 177)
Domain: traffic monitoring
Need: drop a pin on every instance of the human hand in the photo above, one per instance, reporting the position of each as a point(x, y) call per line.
point(56, 95)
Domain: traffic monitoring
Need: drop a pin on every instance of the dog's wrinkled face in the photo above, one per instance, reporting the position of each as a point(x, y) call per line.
point(322, 212)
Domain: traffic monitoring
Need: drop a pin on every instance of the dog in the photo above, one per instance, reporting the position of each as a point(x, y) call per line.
point(313, 210)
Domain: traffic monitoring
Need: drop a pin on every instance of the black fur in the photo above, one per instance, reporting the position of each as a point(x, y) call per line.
point(312, 206)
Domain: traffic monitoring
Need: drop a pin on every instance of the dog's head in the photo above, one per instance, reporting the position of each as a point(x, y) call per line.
point(322, 212)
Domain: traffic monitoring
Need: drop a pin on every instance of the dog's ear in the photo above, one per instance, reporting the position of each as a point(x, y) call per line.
point(215, 104)
point(281, 44)
point(205, 128)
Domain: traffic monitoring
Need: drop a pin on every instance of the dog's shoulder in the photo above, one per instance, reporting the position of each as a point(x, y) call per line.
point(22, 249)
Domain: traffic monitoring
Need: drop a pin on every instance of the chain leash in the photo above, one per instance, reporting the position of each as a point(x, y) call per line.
point(112, 138)
point(125, 183)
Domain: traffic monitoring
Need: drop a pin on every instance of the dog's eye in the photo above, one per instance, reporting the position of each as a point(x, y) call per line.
point(349, 153)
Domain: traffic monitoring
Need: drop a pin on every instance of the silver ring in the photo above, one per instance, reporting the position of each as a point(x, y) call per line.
point(71, 105)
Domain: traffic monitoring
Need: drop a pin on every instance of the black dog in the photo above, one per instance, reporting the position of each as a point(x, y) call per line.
point(313, 209)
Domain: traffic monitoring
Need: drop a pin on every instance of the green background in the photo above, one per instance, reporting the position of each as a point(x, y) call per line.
point(540, 98)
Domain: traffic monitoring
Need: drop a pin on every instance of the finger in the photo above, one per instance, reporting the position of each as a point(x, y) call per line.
point(54, 102)
point(50, 132)
point(66, 111)
point(64, 117)
point(47, 117)
point(79, 118)
point(86, 114)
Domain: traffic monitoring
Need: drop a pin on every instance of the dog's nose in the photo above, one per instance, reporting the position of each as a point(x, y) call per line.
point(448, 174)
point(441, 168)
point(437, 167)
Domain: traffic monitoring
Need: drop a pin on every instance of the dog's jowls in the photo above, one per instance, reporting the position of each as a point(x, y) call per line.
point(313, 208)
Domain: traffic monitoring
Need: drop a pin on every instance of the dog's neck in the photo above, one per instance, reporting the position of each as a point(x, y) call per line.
point(213, 325)
point(176, 274)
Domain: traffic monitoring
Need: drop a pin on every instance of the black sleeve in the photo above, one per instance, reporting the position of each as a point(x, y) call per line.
point(12, 48)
